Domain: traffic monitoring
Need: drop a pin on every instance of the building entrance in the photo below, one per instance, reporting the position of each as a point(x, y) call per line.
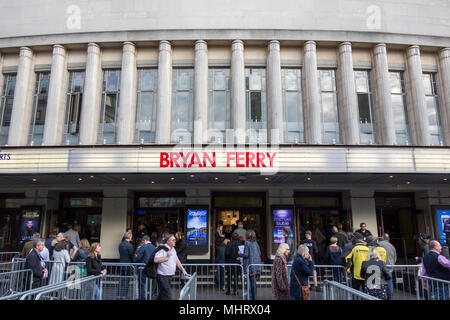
point(249, 208)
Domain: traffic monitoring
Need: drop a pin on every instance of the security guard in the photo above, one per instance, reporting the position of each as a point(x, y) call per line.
point(355, 259)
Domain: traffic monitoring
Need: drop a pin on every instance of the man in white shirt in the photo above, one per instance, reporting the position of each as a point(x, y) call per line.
point(167, 264)
point(74, 236)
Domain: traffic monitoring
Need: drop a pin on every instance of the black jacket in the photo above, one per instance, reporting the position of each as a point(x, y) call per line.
point(126, 251)
point(181, 249)
point(312, 246)
point(231, 251)
point(33, 262)
point(342, 239)
point(94, 266)
point(366, 272)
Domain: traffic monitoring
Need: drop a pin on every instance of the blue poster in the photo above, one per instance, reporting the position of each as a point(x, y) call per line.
point(281, 218)
point(443, 218)
point(197, 226)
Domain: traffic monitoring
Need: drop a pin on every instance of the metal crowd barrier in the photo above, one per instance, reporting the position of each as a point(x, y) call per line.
point(11, 266)
point(8, 256)
point(404, 281)
point(333, 290)
point(189, 291)
point(87, 288)
point(323, 273)
point(213, 281)
point(15, 281)
point(432, 289)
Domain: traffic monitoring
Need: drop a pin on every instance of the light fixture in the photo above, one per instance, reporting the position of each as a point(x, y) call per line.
point(445, 179)
point(153, 182)
point(92, 177)
point(34, 179)
point(309, 179)
point(391, 177)
point(266, 178)
point(123, 179)
point(192, 176)
point(408, 182)
point(80, 179)
point(172, 178)
point(216, 178)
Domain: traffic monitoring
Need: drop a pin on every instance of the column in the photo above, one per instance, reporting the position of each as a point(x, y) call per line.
point(238, 111)
point(444, 71)
point(384, 112)
point(419, 116)
point(274, 94)
point(164, 95)
point(348, 102)
point(361, 202)
point(90, 108)
point(201, 93)
point(23, 99)
point(116, 203)
point(313, 124)
point(2, 77)
point(126, 122)
point(54, 115)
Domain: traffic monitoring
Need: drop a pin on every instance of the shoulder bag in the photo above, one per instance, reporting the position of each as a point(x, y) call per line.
point(305, 289)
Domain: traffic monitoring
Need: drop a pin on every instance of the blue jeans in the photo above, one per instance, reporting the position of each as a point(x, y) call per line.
point(97, 293)
point(389, 289)
point(122, 291)
point(440, 291)
point(252, 287)
point(144, 283)
point(337, 274)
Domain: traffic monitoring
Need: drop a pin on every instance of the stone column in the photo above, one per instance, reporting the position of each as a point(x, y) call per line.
point(313, 110)
point(444, 71)
point(274, 94)
point(348, 102)
point(56, 104)
point(201, 93)
point(23, 99)
point(419, 115)
point(238, 111)
point(90, 108)
point(384, 111)
point(2, 77)
point(126, 122)
point(164, 95)
point(361, 202)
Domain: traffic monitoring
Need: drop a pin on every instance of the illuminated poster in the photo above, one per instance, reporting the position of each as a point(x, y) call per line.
point(29, 224)
point(196, 227)
point(281, 218)
point(443, 218)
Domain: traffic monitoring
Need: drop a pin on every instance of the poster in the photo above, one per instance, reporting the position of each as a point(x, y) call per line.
point(281, 218)
point(196, 227)
point(29, 223)
point(443, 218)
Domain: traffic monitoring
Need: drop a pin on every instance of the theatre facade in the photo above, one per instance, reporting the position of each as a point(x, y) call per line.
point(177, 116)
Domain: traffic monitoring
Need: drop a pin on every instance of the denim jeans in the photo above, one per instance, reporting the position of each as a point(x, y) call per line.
point(252, 287)
point(122, 291)
point(389, 289)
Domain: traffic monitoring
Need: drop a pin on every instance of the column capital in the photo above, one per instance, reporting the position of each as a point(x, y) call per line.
point(345, 47)
point(93, 48)
point(413, 51)
point(129, 47)
point(59, 50)
point(274, 45)
point(26, 52)
point(444, 53)
point(201, 45)
point(379, 49)
point(237, 45)
point(310, 46)
point(165, 45)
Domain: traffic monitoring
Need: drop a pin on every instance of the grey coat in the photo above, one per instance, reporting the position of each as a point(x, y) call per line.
point(251, 255)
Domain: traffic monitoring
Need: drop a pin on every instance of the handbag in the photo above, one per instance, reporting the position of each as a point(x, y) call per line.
point(305, 289)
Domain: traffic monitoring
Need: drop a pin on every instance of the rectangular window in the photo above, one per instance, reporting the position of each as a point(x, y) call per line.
point(147, 86)
point(398, 98)
point(367, 122)
point(291, 85)
point(182, 105)
point(39, 109)
point(110, 104)
point(256, 107)
point(434, 116)
point(219, 104)
point(329, 106)
point(73, 107)
point(6, 105)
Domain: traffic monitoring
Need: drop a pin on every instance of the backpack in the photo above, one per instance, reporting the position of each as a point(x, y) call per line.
point(151, 267)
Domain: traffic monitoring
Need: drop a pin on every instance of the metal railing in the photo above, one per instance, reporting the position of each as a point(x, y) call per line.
point(432, 289)
point(333, 290)
point(404, 281)
point(87, 288)
point(189, 291)
point(15, 281)
point(11, 266)
point(8, 256)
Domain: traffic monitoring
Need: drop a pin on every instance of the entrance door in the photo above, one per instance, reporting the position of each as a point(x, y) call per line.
point(87, 219)
point(160, 220)
point(10, 230)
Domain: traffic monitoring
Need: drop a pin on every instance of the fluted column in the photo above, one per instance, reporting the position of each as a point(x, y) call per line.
point(274, 94)
point(54, 115)
point(384, 111)
point(2, 77)
point(238, 112)
point(90, 109)
point(444, 70)
point(201, 93)
point(23, 99)
point(126, 122)
point(417, 93)
point(347, 95)
point(313, 127)
point(164, 95)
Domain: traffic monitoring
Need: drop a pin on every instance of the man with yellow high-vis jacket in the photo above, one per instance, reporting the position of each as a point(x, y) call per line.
point(355, 259)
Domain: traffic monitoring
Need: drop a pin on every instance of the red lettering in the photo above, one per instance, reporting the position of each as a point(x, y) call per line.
point(212, 162)
point(195, 160)
point(240, 156)
point(164, 160)
point(260, 159)
point(271, 158)
point(230, 156)
point(174, 156)
point(250, 160)
point(185, 158)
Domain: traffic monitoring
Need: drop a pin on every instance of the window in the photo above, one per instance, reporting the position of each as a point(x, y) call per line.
point(365, 107)
point(147, 86)
point(110, 103)
point(398, 98)
point(256, 108)
point(182, 105)
point(6, 105)
point(294, 131)
point(329, 106)
point(39, 109)
point(219, 104)
point(73, 107)
point(434, 117)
